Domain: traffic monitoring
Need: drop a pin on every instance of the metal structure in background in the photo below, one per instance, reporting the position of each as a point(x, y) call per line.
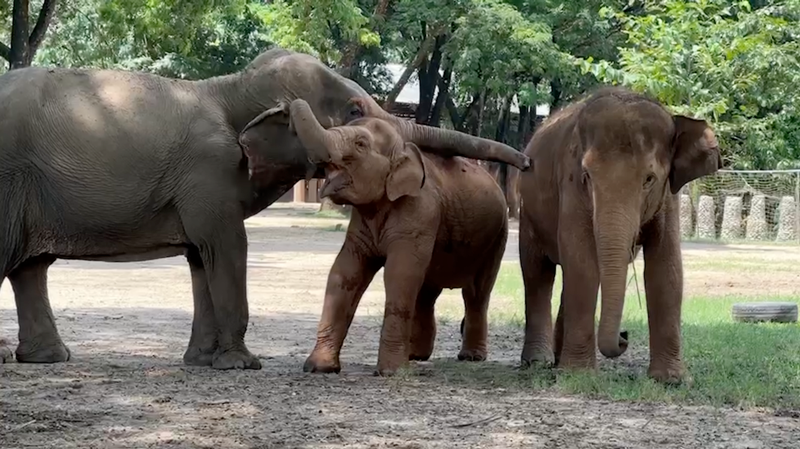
point(743, 205)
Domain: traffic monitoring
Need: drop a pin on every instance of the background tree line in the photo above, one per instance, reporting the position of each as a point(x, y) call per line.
point(734, 63)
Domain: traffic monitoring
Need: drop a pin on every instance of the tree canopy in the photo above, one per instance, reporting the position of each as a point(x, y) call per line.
point(482, 65)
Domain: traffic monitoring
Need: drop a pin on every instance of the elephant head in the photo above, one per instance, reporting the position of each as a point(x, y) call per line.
point(635, 156)
point(258, 99)
point(369, 159)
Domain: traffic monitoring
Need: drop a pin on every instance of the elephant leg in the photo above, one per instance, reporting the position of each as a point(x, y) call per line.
point(203, 342)
point(579, 301)
point(222, 246)
point(476, 296)
point(538, 276)
point(349, 277)
point(39, 341)
point(423, 334)
point(404, 274)
point(663, 283)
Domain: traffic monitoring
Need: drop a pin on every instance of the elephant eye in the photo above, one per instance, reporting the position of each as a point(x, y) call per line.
point(649, 180)
point(585, 177)
point(355, 113)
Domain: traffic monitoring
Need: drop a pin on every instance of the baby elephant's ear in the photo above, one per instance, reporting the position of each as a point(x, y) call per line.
point(407, 174)
point(696, 153)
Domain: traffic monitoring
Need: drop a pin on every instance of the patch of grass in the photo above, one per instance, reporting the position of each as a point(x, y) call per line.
point(731, 363)
point(329, 214)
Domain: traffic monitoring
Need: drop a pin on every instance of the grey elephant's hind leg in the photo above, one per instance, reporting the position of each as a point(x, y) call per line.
point(39, 341)
point(203, 342)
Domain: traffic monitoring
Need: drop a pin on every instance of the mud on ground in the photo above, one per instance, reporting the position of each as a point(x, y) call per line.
point(127, 326)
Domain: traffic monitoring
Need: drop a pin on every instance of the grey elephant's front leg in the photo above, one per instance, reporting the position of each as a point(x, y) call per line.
point(39, 341)
point(203, 342)
point(221, 241)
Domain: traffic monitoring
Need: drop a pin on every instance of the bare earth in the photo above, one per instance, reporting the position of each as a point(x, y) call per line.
point(128, 324)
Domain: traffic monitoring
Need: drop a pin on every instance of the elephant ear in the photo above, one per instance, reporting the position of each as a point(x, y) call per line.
point(254, 139)
point(696, 152)
point(407, 174)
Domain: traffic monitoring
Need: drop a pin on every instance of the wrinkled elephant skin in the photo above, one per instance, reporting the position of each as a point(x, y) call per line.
point(605, 177)
point(124, 166)
point(430, 222)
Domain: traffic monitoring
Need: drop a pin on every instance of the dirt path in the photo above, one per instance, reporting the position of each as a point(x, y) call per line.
point(127, 326)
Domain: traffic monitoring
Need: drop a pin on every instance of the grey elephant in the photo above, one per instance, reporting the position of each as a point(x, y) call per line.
point(120, 166)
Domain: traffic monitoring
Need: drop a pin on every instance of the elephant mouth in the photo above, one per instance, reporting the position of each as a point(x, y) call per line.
point(335, 181)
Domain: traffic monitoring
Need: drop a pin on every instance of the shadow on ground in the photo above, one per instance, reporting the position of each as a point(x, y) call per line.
point(126, 387)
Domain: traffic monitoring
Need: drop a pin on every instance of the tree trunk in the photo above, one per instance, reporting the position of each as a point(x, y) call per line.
point(425, 49)
point(24, 43)
point(500, 135)
point(555, 91)
point(428, 80)
point(521, 140)
point(443, 84)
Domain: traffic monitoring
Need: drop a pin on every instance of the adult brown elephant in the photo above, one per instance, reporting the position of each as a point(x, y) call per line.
point(122, 166)
point(604, 178)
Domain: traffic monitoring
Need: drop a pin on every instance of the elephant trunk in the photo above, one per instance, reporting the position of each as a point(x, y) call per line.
point(316, 139)
point(446, 142)
point(615, 229)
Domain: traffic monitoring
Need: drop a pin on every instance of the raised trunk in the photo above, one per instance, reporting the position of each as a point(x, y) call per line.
point(615, 229)
point(446, 142)
point(312, 135)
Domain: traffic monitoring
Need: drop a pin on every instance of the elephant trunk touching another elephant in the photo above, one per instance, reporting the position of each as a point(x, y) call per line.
point(128, 166)
point(439, 141)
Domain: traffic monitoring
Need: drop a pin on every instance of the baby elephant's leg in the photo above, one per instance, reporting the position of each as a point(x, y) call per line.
point(423, 332)
point(475, 326)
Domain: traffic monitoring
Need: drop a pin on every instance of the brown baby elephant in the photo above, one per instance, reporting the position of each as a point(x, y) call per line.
point(431, 222)
point(604, 181)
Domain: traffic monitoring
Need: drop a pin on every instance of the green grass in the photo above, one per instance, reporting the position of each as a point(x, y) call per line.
point(731, 363)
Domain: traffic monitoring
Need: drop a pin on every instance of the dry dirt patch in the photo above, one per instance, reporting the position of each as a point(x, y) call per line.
point(128, 324)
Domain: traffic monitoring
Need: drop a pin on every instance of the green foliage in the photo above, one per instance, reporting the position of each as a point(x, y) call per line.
point(179, 39)
point(316, 27)
point(734, 63)
point(496, 48)
point(722, 61)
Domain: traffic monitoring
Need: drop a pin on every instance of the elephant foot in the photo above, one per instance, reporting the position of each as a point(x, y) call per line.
point(6, 355)
point(389, 366)
point(472, 355)
point(322, 363)
point(537, 357)
point(36, 351)
point(569, 362)
point(196, 356)
point(235, 359)
point(422, 357)
point(674, 375)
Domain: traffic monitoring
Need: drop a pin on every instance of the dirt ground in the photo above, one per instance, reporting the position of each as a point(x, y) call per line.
point(128, 324)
